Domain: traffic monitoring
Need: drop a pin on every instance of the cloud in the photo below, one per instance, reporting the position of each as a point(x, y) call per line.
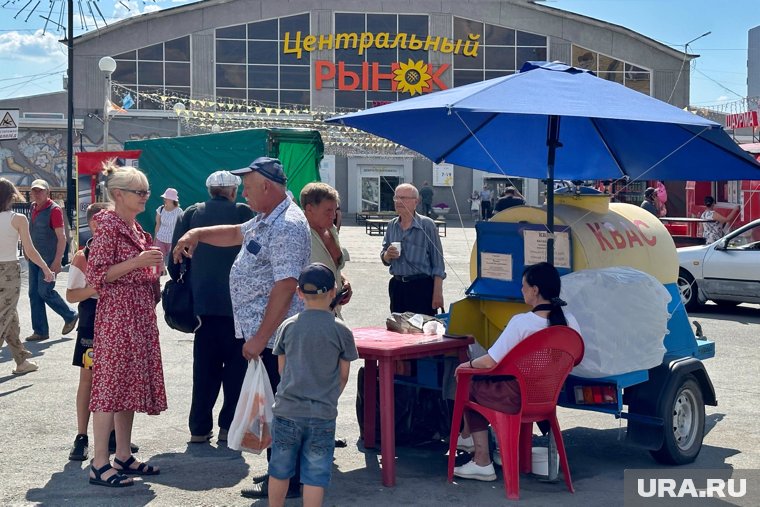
point(35, 48)
point(129, 8)
point(723, 98)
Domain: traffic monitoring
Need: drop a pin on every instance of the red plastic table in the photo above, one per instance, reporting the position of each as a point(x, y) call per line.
point(378, 345)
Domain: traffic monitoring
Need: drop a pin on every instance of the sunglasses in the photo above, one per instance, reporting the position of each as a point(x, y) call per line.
point(140, 193)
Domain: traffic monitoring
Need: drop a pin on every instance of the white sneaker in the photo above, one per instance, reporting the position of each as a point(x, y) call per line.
point(465, 444)
point(497, 457)
point(474, 471)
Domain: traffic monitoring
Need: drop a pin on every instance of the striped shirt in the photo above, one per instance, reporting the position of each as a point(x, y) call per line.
point(421, 250)
point(168, 220)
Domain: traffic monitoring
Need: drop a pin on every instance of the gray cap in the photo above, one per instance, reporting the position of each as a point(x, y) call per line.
point(222, 179)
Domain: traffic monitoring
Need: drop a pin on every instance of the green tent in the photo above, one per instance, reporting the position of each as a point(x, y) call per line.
point(185, 162)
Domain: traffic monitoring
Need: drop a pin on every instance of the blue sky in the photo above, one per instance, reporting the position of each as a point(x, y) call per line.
point(34, 63)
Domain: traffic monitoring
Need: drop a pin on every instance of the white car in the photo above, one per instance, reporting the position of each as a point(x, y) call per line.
point(726, 272)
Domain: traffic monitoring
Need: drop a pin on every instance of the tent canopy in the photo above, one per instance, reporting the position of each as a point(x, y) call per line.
point(185, 162)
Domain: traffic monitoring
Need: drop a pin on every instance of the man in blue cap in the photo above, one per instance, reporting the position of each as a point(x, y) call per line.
point(275, 247)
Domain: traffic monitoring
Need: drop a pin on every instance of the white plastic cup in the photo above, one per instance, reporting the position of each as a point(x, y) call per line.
point(397, 246)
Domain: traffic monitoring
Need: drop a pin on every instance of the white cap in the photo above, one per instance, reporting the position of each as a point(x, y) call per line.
point(222, 179)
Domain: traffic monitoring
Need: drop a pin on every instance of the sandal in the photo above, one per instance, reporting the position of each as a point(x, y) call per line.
point(117, 480)
point(142, 468)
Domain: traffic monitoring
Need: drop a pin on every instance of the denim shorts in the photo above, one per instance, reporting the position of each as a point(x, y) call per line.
point(312, 441)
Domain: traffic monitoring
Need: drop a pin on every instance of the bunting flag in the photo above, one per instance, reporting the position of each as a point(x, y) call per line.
point(113, 108)
point(127, 101)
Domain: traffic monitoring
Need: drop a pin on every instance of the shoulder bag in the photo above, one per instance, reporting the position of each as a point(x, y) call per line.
point(177, 301)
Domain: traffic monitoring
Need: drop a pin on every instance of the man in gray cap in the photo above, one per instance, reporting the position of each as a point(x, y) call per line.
point(275, 247)
point(49, 238)
point(218, 360)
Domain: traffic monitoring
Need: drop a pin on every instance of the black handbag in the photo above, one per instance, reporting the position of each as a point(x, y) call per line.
point(177, 301)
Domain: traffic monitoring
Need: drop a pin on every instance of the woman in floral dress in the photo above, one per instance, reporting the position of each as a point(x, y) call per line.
point(127, 370)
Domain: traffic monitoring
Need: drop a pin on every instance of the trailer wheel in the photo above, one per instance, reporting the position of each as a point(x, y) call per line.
point(687, 286)
point(683, 411)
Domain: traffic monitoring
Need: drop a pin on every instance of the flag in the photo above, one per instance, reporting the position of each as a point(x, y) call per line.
point(127, 101)
point(113, 108)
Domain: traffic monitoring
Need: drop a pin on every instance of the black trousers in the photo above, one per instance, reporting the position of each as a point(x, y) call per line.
point(485, 210)
point(218, 362)
point(413, 296)
point(272, 368)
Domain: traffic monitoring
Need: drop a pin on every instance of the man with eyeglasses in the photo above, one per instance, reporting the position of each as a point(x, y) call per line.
point(49, 238)
point(416, 267)
point(275, 247)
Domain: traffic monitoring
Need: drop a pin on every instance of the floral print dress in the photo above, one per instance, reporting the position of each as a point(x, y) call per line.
point(127, 370)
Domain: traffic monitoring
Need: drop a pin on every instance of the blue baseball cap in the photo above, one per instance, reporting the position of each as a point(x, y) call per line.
point(270, 168)
point(316, 278)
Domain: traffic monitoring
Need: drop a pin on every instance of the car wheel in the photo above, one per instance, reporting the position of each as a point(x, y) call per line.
point(682, 409)
point(687, 286)
point(725, 303)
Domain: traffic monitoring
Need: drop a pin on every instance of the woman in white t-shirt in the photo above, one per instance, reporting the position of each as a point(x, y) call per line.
point(15, 226)
point(540, 288)
point(166, 218)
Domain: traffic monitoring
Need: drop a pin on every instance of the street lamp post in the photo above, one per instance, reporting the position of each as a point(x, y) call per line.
point(179, 110)
point(106, 65)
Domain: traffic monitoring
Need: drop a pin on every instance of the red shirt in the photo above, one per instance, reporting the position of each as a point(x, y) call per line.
point(56, 215)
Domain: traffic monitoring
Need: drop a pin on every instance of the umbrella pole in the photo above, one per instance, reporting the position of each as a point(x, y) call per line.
point(552, 141)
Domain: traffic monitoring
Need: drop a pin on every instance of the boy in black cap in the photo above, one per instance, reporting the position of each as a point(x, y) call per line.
point(315, 351)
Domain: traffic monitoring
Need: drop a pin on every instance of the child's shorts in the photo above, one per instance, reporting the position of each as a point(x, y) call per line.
point(308, 439)
point(83, 348)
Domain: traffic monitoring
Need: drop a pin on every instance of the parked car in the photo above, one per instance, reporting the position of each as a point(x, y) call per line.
point(726, 272)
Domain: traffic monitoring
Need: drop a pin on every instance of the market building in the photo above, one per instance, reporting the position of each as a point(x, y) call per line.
point(233, 64)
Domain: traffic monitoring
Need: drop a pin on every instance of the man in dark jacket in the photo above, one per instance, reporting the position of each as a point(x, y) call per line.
point(648, 202)
point(217, 355)
point(510, 197)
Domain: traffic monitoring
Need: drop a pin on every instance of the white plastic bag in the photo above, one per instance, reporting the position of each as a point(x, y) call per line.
point(623, 316)
point(251, 427)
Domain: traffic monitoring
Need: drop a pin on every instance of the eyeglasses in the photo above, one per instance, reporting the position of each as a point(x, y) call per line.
point(140, 193)
point(399, 198)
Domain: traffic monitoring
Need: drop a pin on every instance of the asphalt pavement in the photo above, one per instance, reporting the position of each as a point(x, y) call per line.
point(38, 421)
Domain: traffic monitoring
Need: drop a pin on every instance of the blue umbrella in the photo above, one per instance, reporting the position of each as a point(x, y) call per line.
point(551, 120)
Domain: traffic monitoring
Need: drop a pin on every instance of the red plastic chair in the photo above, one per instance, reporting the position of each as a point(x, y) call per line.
point(540, 363)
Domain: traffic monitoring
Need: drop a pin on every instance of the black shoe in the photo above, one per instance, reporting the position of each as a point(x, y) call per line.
point(261, 490)
point(79, 449)
point(260, 478)
point(112, 444)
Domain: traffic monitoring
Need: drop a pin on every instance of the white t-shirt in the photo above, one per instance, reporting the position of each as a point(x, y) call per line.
point(8, 237)
point(520, 327)
point(168, 221)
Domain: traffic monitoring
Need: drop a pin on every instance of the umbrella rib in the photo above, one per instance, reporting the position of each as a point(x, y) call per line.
point(472, 134)
point(699, 135)
point(607, 146)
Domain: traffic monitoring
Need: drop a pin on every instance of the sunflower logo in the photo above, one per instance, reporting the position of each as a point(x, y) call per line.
point(411, 77)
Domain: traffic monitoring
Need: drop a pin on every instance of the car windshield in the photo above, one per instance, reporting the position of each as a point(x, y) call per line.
point(750, 237)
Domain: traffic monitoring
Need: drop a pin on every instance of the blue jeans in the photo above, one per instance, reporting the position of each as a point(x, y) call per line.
point(308, 440)
point(42, 293)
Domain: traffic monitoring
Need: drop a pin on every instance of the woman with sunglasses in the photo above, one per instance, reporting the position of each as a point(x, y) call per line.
point(127, 370)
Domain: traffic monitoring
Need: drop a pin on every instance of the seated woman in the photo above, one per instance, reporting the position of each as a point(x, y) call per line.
point(540, 288)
